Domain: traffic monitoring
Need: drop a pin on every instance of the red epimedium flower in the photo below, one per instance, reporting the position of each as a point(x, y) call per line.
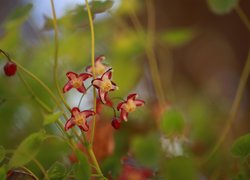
point(104, 85)
point(129, 106)
point(100, 67)
point(76, 81)
point(79, 118)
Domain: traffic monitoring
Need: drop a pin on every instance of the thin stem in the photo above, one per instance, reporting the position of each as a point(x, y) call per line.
point(29, 171)
point(5, 54)
point(93, 66)
point(149, 48)
point(40, 166)
point(235, 105)
point(37, 99)
point(80, 101)
point(55, 70)
point(92, 155)
point(243, 17)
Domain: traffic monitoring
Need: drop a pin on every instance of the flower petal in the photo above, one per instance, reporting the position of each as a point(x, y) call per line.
point(107, 74)
point(132, 96)
point(88, 69)
point(124, 115)
point(71, 75)
point(81, 89)
point(69, 124)
point(87, 113)
point(119, 106)
point(84, 126)
point(114, 86)
point(100, 59)
point(67, 86)
point(75, 111)
point(102, 95)
point(84, 76)
point(97, 82)
point(139, 102)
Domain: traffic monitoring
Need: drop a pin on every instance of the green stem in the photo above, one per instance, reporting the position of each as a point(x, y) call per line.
point(149, 48)
point(80, 101)
point(29, 171)
point(93, 66)
point(235, 105)
point(243, 17)
point(37, 99)
point(55, 71)
point(40, 166)
point(5, 54)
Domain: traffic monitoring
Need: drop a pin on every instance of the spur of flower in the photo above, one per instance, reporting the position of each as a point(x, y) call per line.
point(100, 67)
point(76, 81)
point(104, 85)
point(129, 106)
point(79, 118)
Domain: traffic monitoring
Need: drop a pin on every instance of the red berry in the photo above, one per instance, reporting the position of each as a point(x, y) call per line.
point(116, 123)
point(10, 69)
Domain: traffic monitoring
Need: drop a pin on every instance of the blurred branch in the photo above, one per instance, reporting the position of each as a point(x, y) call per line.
point(235, 106)
point(55, 71)
point(243, 17)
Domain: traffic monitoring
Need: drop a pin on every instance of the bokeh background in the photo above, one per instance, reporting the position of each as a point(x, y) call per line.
point(200, 56)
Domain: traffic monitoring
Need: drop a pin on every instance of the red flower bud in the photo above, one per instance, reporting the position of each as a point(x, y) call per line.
point(116, 123)
point(10, 68)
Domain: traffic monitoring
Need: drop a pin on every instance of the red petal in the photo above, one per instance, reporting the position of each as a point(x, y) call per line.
point(120, 105)
point(114, 86)
point(132, 96)
point(67, 86)
point(100, 58)
point(75, 110)
point(84, 76)
point(88, 69)
point(103, 96)
point(139, 102)
point(107, 74)
point(84, 127)
point(124, 115)
point(71, 75)
point(96, 82)
point(81, 89)
point(69, 124)
point(88, 113)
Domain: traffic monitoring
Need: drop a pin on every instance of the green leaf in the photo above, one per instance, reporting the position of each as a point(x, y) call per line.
point(51, 118)
point(57, 171)
point(146, 149)
point(241, 146)
point(179, 168)
point(2, 153)
point(27, 150)
point(19, 16)
point(82, 169)
point(222, 6)
point(3, 172)
point(177, 37)
point(172, 122)
point(100, 6)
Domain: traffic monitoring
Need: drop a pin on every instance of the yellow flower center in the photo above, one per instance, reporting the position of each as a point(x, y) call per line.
point(76, 83)
point(106, 85)
point(130, 106)
point(79, 119)
point(99, 68)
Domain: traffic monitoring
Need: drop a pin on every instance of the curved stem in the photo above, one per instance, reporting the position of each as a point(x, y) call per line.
point(37, 99)
point(93, 66)
point(80, 101)
point(235, 106)
point(40, 166)
point(55, 70)
point(149, 48)
point(5, 54)
point(243, 17)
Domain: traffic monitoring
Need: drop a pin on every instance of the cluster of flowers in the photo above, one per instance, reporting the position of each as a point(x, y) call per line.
point(104, 85)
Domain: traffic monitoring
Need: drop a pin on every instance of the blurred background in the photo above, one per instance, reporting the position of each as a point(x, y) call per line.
point(199, 56)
